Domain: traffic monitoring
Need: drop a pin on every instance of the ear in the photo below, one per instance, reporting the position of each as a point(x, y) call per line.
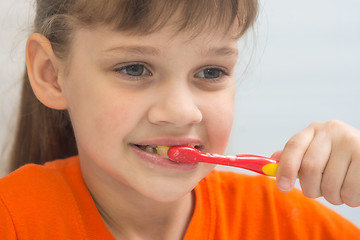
point(43, 71)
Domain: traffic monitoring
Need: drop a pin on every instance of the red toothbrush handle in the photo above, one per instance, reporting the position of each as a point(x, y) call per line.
point(246, 161)
point(250, 162)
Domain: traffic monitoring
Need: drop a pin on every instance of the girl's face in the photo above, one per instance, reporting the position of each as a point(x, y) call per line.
point(127, 93)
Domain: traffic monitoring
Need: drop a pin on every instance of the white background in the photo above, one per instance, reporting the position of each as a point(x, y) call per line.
point(305, 67)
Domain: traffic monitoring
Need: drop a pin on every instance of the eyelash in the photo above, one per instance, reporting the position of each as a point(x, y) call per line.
point(121, 70)
point(222, 72)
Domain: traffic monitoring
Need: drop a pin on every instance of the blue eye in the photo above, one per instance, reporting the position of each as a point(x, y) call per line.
point(210, 73)
point(134, 70)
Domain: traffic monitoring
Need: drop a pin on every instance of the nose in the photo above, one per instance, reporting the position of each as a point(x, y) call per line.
point(175, 107)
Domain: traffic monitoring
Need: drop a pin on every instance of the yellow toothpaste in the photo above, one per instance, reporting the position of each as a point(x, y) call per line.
point(162, 150)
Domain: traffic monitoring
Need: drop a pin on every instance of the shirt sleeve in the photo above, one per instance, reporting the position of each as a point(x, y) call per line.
point(7, 229)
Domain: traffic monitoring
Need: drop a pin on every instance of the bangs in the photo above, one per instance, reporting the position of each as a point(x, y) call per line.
point(57, 20)
point(143, 17)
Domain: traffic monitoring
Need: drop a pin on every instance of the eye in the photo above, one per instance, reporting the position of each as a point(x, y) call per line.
point(211, 73)
point(134, 70)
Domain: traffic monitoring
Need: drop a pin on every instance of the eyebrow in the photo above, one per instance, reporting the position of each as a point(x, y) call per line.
point(148, 50)
point(223, 51)
point(138, 50)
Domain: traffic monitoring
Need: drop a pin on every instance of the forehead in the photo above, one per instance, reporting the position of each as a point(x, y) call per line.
point(106, 39)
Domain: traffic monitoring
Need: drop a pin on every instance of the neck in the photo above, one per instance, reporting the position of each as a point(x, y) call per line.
point(130, 215)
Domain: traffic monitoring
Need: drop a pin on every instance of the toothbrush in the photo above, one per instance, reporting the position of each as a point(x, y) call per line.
point(184, 154)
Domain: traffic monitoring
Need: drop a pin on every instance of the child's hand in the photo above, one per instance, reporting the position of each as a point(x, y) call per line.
point(327, 157)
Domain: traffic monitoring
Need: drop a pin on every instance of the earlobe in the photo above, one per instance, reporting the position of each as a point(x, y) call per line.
point(43, 72)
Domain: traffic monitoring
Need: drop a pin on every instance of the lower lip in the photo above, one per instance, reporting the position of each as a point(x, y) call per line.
point(158, 160)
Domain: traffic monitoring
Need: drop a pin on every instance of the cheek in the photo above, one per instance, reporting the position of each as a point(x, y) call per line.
point(218, 120)
point(114, 115)
point(102, 119)
point(221, 129)
point(117, 120)
point(102, 128)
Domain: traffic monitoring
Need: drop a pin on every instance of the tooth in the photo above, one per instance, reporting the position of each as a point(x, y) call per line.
point(142, 147)
point(150, 149)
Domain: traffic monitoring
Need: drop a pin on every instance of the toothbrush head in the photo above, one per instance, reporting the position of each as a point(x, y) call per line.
point(183, 154)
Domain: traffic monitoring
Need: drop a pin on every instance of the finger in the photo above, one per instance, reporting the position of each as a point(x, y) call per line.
point(334, 175)
point(276, 155)
point(350, 191)
point(291, 158)
point(314, 163)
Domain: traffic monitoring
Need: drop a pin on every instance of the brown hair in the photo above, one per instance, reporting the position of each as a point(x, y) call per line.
point(45, 134)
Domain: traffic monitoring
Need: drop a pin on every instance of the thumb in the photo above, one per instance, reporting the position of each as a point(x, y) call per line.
point(277, 155)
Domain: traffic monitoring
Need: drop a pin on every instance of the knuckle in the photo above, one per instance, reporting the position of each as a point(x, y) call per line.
point(292, 143)
point(295, 143)
point(315, 124)
point(351, 139)
point(333, 125)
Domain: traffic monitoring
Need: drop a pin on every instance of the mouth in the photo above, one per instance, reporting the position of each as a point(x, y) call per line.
point(156, 155)
point(161, 150)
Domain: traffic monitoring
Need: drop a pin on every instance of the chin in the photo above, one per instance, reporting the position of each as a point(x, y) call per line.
point(166, 191)
point(167, 194)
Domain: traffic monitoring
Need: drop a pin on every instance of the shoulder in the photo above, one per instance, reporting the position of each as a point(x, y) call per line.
point(33, 179)
point(37, 198)
point(49, 202)
point(37, 184)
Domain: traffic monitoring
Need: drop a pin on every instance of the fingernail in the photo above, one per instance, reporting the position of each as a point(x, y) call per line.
point(284, 184)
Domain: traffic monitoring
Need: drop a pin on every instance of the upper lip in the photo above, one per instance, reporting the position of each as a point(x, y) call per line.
point(188, 141)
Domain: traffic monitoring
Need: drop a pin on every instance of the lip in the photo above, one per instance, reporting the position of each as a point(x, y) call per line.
point(172, 142)
point(155, 159)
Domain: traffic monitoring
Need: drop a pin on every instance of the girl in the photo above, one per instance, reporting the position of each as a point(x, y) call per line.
point(109, 81)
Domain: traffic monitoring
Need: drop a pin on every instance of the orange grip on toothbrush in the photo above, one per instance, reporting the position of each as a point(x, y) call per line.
point(263, 165)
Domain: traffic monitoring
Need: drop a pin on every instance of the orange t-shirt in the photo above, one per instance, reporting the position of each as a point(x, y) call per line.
point(52, 202)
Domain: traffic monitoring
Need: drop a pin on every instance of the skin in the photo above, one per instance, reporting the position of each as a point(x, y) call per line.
point(327, 157)
point(110, 110)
